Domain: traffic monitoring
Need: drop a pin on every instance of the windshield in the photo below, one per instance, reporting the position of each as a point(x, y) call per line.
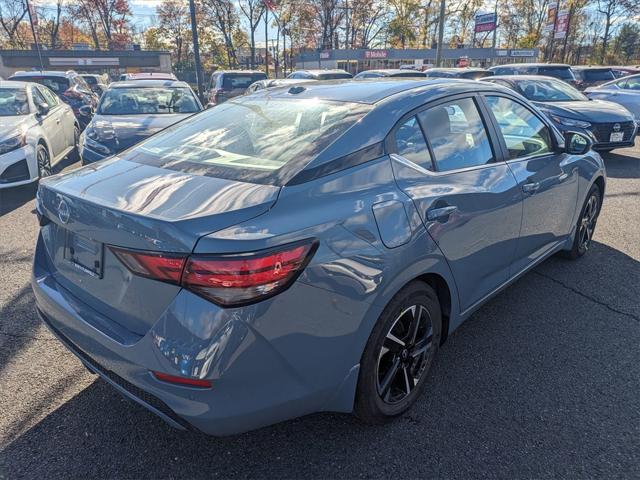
point(598, 75)
point(231, 81)
point(57, 84)
point(13, 102)
point(563, 73)
point(258, 135)
point(549, 91)
point(147, 100)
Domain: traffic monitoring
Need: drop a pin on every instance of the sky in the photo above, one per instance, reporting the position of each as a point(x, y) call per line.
point(144, 12)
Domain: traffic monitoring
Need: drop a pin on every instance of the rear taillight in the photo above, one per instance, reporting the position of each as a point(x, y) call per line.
point(158, 266)
point(227, 280)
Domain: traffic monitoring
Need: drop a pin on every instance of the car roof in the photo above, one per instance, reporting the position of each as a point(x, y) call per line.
point(13, 84)
point(515, 78)
point(148, 83)
point(318, 71)
point(392, 71)
point(368, 92)
point(49, 73)
point(591, 67)
point(457, 69)
point(242, 72)
point(517, 65)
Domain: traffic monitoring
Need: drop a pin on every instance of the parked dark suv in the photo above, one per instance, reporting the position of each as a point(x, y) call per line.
point(592, 76)
point(555, 70)
point(69, 87)
point(226, 84)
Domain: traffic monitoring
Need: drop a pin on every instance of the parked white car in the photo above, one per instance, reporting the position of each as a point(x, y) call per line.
point(37, 130)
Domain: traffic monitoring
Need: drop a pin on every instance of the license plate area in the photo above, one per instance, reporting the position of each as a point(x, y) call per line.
point(616, 137)
point(84, 254)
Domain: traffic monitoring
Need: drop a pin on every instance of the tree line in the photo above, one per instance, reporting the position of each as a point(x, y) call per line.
point(598, 31)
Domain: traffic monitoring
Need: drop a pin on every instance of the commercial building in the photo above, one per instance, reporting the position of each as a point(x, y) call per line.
point(356, 61)
point(113, 62)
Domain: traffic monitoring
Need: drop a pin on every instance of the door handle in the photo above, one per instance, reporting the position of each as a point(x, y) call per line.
point(440, 213)
point(530, 187)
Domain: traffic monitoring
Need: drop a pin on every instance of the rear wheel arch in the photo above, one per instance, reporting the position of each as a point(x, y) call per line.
point(441, 287)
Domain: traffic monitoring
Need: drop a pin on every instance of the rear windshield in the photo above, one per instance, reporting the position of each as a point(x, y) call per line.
point(333, 76)
point(57, 84)
point(563, 73)
point(544, 90)
point(251, 138)
point(475, 75)
point(90, 80)
point(239, 80)
point(598, 74)
point(147, 101)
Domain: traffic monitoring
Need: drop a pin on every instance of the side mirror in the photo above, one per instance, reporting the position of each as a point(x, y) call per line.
point(43, 109)
point(577, 143)
point(86, 110)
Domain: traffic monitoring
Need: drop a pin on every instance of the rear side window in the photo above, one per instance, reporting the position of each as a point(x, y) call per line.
point(57, 84)
point(598, 75)
point(457, 135)
point(563, 73)
point(410, 143)
point(524, 133)
point(231, 81)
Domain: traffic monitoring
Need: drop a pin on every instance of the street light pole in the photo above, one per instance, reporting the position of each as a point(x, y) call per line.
point(35, 37)
point(196, 49)
point(440, 35)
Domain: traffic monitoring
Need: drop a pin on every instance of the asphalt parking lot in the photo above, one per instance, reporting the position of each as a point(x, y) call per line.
point(543, 381)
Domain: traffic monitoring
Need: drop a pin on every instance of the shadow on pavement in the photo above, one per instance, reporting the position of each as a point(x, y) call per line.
point(15, 197)
point(542, 381)
point(622, 164)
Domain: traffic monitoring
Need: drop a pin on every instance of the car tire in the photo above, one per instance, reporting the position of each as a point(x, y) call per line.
point(43, 160)
point(586, 224)
point(411, 322)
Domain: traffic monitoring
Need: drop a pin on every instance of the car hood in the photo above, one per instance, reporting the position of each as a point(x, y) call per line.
point(12, 126)
point(594, 111)
point(122, 131)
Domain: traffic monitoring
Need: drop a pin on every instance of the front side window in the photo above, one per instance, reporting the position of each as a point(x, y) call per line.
point(410, 143)
point(51, 99)
point(13, 102)
point(457, 135)
point(147, 100)
point(251, 137)
point(523, 132)
point(38, 97)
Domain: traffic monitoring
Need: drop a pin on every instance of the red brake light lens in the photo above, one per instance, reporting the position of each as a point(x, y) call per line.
point(158, 266)
point(228, 280)
point(237, 280)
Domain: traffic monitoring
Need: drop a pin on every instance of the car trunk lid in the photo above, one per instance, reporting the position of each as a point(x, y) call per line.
point(122, 204)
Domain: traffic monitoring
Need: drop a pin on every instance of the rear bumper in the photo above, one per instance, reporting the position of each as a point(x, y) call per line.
point(267, 362)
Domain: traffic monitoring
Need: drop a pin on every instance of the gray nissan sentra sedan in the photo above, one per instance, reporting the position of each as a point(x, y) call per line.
point(305, 248)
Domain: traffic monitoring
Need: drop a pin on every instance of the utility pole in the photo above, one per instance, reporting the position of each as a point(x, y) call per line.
point(33, 31)
point(196, 49)
point(266, 40)
point(495, 33)
point(440, 34)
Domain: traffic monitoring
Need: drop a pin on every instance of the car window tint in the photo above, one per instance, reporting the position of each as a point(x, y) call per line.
point(410, 143)
point(523, 132)
point(51, 99)
point(457, 135)
point(38, 97)
point(633, 84)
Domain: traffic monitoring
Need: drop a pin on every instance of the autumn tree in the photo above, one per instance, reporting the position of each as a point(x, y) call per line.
point(12, 12)
point(174, 25)
point(223, 18)
point(612, 11)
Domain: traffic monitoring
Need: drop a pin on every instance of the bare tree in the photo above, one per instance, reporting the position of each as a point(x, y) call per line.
point(252, 11)
point(12, 12)
point(612, 11)
point(224, 19)
point(174, 23)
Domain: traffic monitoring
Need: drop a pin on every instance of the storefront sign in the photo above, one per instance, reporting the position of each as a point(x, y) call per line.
point(485, 22)
point(523, 53)
point(372, 54)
